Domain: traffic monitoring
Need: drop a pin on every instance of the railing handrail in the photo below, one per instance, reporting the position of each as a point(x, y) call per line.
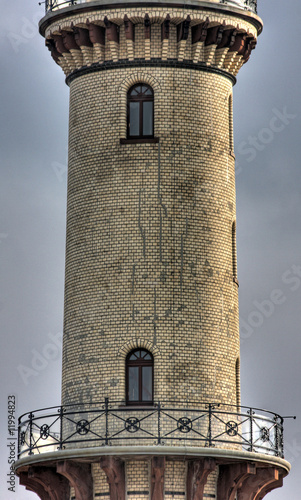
point(52, 5)
point(201, 405)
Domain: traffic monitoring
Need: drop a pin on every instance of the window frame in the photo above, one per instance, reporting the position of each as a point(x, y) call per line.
point(140, 363)
point(140, 99)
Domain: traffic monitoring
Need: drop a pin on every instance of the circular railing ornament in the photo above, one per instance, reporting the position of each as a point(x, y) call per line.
point(231, 428)
point(22, 438)
point(264, 434)
point(82, 427)
point(184, 424)
point(132, 424)
point(44, 431)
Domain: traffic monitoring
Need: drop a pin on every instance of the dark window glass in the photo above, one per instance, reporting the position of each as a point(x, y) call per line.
point(134, 118)
point(139, 377)
point(147, 383)
point(140, 112)
point(148, 117)
point(133, 383)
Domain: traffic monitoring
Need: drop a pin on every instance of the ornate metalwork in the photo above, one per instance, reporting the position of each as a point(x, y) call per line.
point(232, 428)
point(252, 4)
point(82, 427)
point(132, 424)
point(248, 4)
point(184, 424)
point(264, 434)
point(22, 438)
point(44, 431)
point(113, 423)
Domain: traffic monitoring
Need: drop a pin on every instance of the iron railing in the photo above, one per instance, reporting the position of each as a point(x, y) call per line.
point(51, 5)
point(165, 424)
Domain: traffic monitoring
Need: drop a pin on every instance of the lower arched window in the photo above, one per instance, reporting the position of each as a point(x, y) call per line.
point(139, 377)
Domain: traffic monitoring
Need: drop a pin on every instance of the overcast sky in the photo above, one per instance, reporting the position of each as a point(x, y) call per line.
point(34, 126)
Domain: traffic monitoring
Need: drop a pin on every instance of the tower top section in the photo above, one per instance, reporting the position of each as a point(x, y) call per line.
point(210, 35)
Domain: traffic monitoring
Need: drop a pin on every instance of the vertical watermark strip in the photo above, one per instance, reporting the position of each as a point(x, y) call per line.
point(12, 441)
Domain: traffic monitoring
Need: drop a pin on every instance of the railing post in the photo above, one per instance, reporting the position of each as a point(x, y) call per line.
point(31, 415)
point(61, 412)
point(159, 422)
point(19, 436)
point(279, 438)
point(107, 420)
point(210, 425)
point(251, 429)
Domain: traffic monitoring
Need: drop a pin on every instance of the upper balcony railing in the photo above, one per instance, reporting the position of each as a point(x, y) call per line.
point(166, 424)
point(52, 5)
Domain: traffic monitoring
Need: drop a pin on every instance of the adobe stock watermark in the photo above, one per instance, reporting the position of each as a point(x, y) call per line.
point(27, 31)
point(254, 144)
point(3, 237)
point(60, 170)
point(12, 442)
point(265, 308)
point(40, 360)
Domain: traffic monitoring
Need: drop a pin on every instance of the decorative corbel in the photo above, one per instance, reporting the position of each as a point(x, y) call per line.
point(147, 37)
point(80, 478)
point(55, 485)
point(165, 31)
point(197, 474)
point(157, 478)
point(82, 39)
point(97, 35)
point(62, 49)
point(254, 486)
point(231, 477)
point(114, 469)
point(33, 485)
point(112, 33)
point(198, 37)
point(182, 36)
point(129, 29)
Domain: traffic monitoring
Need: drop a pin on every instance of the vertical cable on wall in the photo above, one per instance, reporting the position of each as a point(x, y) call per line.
point(234, 259)
point(237, 374)
point(231, 141)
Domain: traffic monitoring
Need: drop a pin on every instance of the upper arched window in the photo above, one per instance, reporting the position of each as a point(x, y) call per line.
point(139, 377)
point(140, 112)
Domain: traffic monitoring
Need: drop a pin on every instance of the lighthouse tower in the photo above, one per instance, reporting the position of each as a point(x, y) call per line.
point(151, 403)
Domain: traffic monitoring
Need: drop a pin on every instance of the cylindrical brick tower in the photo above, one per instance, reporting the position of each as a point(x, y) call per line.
point(151, 387)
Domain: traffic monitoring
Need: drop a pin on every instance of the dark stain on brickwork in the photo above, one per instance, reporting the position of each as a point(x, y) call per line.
point(141, 229)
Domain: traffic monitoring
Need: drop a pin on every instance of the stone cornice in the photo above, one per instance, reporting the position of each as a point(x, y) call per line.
point(172, 37)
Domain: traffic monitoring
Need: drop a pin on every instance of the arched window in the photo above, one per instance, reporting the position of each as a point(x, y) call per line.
point(139, 377)
point(140, 101)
